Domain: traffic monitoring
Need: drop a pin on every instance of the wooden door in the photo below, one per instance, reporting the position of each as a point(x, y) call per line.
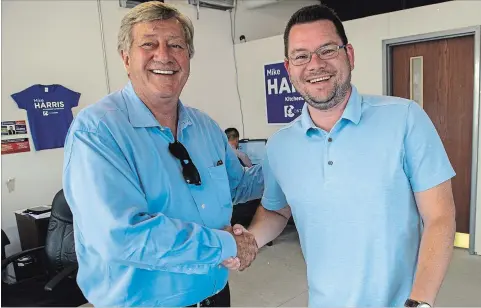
point(444, 71)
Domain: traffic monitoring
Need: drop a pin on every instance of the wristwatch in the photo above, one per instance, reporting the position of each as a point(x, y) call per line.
point(414, 303)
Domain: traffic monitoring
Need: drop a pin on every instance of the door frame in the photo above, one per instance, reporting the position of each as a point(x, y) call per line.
point(387, 90)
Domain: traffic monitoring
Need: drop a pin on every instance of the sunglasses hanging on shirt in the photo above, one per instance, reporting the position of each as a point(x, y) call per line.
point(189, 170)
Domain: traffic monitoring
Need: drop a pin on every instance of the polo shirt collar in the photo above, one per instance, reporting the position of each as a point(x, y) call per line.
point(141, 116)
point(353, 109)
point(352, 112)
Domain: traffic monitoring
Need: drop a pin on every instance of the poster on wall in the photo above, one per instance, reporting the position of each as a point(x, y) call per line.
point(14, 128)
point(17, 145)
point(283, 102)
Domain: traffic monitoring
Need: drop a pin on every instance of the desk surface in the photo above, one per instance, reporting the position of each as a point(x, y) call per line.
point(34, 216)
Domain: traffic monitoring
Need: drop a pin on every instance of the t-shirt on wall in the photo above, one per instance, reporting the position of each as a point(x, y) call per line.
point(49, 113)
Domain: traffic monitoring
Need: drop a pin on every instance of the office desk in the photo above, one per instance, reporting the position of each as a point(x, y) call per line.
point(32, 229)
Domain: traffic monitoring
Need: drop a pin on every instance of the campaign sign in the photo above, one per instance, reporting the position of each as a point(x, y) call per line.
point(283, 102)
point(18, 145)
point(14, 128)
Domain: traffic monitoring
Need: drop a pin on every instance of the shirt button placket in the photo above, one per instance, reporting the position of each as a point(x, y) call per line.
point(330, 161)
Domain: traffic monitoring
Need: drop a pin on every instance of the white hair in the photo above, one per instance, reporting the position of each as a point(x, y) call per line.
point(150, 11)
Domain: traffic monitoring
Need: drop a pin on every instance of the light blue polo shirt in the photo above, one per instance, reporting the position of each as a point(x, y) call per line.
point(351, 194)
point(143, 236)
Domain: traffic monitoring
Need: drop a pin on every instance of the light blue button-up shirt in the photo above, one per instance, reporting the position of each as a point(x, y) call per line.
point(143, 236)
point(351, 194)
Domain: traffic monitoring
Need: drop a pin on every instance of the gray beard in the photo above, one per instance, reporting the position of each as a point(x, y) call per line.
point(335, 98)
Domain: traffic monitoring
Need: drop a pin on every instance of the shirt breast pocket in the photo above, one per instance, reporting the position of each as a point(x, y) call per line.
point(219, 182)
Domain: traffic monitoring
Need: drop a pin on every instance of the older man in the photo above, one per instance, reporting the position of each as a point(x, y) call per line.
point(151, 182)
point(371, 192)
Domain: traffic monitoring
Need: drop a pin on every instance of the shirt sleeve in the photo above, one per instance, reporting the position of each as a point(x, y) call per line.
point(73, 96)
point(426, 162)
point(245, 159)
point(246, 184)
point(21, 99)
point(273, 198)
point(113, 216)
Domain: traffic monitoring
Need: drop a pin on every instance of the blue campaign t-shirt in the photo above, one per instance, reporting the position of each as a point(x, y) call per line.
point(49, 113)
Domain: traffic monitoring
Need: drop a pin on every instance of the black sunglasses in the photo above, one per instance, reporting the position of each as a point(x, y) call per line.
point(189, 170)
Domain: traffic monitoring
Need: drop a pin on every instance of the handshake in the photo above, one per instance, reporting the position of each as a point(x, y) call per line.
point(246, 248)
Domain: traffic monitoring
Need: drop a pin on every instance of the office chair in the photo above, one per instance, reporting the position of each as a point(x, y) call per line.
point(56, 286)
point(5, 242)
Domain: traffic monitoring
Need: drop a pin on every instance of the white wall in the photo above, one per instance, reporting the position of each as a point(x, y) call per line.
point(40, 49)
point(67, 49)
point(211, 86)
point(251, 58)
point(264, 21)
point(366, 35)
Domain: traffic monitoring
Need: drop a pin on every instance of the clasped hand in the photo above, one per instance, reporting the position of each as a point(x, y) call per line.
point(246, 248)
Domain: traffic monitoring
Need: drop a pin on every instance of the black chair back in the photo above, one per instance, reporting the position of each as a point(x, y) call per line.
point(60, 244)
point(5, 242)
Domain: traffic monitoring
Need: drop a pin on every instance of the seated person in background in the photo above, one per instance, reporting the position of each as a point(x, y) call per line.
point(233, 138)
point(242, 212)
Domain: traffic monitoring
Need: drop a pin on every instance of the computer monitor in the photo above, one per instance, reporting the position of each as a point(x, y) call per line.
point(254, 148)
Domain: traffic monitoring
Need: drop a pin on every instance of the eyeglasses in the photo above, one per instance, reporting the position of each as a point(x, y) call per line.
point(324, 53)
point(189, 170)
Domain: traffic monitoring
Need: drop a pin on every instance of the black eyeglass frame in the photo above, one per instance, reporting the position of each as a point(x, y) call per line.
point(335, 49)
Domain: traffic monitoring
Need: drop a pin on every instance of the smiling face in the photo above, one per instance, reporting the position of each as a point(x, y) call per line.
point(158, 61)
point(324, 84)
